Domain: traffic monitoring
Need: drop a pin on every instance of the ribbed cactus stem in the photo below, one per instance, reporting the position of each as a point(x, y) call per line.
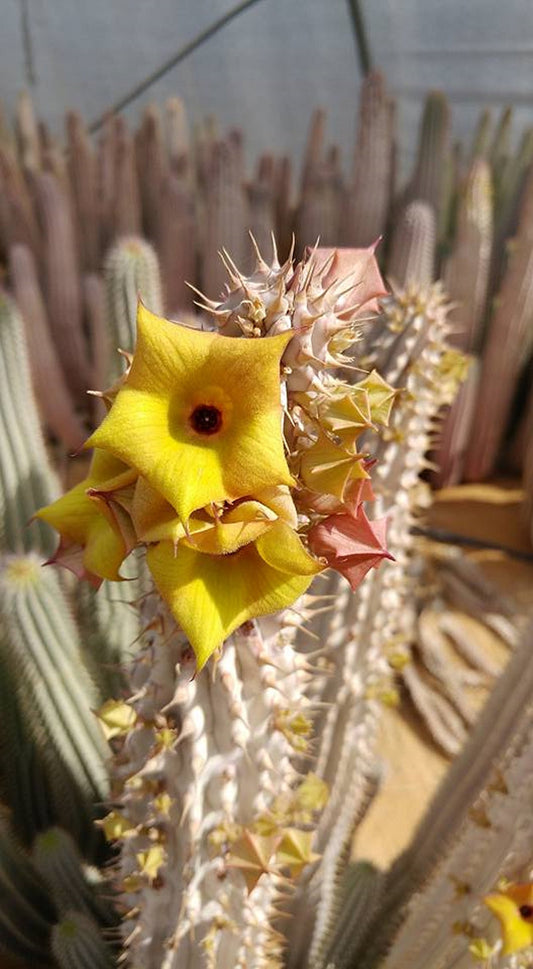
point(455, 432)
point(177, 241)
point(131, 272)
point(55, 856)
point(56, 405)
point(481, 139)
point(26, 479)
point(17, 218)
point(226, 212)
point(152, 166)
point(261, 195)
point(412, 256)
point(500, 146)
point(44, 653)
point(380, 616)
point(506, 349)
point(62, 280)
point(109, 627)
point(319, 213)
point(466, 275)
point(360, 894)
point(206, 759)
point(127, 204)
point(477, 829)
point(84, 188)
point(430, 181)
point(27, 912)
point(370, 188)
point(283, 206)
point(510, 186)
point(94, 305)
point(76, 942)
point(177, 133)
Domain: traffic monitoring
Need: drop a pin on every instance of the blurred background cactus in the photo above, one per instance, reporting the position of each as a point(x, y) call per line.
point(87, 227)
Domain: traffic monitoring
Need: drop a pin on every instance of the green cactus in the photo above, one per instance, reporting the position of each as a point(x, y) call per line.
point(26, 479)
point(369, 194)
point(430, 181)
point(76, 941)
point(40, 647)
point(131, 271)
point(188, 753)
point(411, 258)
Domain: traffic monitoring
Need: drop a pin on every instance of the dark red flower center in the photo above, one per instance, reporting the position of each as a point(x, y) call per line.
point(206, 419)
point(526, 911)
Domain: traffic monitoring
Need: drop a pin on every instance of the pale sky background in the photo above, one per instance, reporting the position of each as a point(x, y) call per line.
point(267, 70)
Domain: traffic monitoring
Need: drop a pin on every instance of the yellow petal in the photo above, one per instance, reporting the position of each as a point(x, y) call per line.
point(381, 397)
point(177, 376)
point(153, 516)
point(88, 522)
point(313, 793)
point(116, 718)
point(294, 851)
point(326, 468)
point(223, 538)
point(211, 595)
point(516, 931)
point(151, 861)
point(281, 548)
point(115, 825)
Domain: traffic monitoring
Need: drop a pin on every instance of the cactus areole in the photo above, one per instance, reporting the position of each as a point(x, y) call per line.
point(224, 450)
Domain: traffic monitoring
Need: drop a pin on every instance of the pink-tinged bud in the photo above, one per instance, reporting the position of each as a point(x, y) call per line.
point(351, 544)
point(360, 267)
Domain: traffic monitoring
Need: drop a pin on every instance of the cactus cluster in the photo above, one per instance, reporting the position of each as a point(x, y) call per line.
point(463, 216)
point(217, 824)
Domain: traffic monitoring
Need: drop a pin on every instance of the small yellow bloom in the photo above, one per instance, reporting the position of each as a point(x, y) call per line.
point(86, 519)
point(151, 860)
point(294, 851)
point(116, 718)
point(381, 397)
point(211, 595)
point(328, 469)
point(199, 415)
point(513, 907)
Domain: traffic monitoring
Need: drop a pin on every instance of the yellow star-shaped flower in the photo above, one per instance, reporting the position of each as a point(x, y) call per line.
point(84, 519)
point(211, 595)
point(199, 415)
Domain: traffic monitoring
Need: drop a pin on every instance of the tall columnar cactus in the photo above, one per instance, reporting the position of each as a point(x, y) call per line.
point(507, 347)
point(370, 188)
point(83, 182)
point(322, 191)
point(411, 260)
point(57, 408)
point(49, 904)
point(377, 627)
point(132, 272)
point(473, 844)
point(214, 815)
point(431, 177)
point(466, 275)
point(61, 279)
point(26, 479)
point(225, 207)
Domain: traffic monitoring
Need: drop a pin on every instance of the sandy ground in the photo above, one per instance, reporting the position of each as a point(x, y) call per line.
point(412, 764)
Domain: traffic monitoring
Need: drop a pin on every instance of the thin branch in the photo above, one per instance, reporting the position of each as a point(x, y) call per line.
point(360, 35)
point(172, 62)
